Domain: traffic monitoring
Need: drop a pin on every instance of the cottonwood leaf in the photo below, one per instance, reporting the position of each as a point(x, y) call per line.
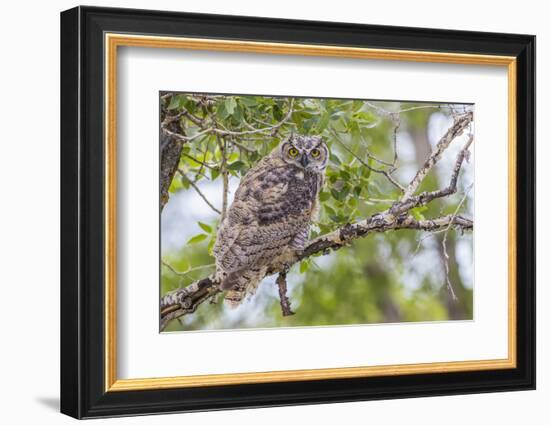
point(197, 238)
point(205, 227)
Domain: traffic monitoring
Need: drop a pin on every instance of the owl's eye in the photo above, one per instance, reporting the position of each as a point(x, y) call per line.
point(293, 152)
point(315, 153)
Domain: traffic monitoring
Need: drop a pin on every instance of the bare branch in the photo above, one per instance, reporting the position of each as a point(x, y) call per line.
point(198, 161)
point(240, 145)
point(444, 242)
point(365, 164)
point(225, 176)
point(422, 199)
point(187, 272)
point(184, 113)
point(396, 118)
point(283, 298)
point(460, 124)
point(186, 139)
point(199, 192)
point(186, 300)
point(385, 112)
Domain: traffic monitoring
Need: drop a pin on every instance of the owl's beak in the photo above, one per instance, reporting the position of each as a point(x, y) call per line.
point(304, 161)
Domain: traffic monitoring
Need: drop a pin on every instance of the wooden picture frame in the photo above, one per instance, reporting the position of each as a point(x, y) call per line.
point(90, 39)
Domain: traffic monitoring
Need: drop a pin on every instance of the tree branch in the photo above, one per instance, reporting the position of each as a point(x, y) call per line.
point(283, 297)
point(385, 173)
point(460, 124)
point(407, 203)
point(186, 300)
point(225, 176)
point(199, 192)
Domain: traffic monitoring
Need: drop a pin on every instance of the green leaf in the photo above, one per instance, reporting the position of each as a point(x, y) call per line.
point(184, 183)
point(339, 195)
point(277, 113)
point(273, 144)
point(366, 171)
point(253, 156)
point(335, 218)
point(304, 266)
point(323, 122)
point(211, 246)
point(205, 227)
point(175, 185)
point(335, 159)
point(214, 173)
point(230, 105)
point(337, 115)
point(330, 210)
point(324, 196)
point(197, 239)
point(236, 166)
point(345, 175)
point(355, 132)
point(417, 212)
point(324, 228)
point(175, 102)
point(248, 101)
point(366, 119)
point(221, 111)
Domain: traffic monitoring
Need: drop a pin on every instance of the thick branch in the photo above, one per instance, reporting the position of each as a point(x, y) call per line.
point(186, 300)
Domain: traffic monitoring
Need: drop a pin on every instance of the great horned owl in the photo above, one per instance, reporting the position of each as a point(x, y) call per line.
point(269, 219)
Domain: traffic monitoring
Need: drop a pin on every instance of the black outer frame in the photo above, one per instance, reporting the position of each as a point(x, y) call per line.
point(82, 206)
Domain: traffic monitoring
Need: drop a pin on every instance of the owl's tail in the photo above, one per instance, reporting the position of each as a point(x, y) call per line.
point(241, 284)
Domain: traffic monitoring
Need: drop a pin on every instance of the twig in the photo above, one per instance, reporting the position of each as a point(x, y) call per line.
point(240, 145)
point(365, 164)
point(444, 244)
point(186, 139)
point(187, 272)
point(460, 124)
point(225, 177)
point(385, 112)
point(198, 161)
point(397, 120)
point(270, 129)
point(199, 192)
point(205, 155)
point(283, 298)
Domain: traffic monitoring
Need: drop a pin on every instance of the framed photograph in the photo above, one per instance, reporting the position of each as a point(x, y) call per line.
point(261, 212)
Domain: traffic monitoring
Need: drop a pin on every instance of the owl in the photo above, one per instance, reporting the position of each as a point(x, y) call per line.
point(269, 219)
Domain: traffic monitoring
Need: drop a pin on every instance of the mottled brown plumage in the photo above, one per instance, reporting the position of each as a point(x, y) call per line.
point(269, 219)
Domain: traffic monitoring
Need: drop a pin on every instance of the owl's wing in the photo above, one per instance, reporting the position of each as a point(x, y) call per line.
point(261, 222)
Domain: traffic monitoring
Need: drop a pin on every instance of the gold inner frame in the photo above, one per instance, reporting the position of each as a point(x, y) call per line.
point(113, 41)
